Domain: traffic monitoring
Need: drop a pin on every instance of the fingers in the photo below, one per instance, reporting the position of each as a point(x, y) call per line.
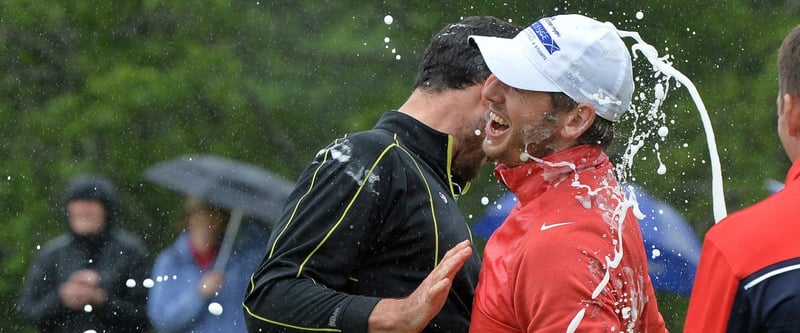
point(86, 276)
point(453, 260)
point(456, 249)
point(210, 283)
point(440, 279)
point(439, 289)
point(412, 313)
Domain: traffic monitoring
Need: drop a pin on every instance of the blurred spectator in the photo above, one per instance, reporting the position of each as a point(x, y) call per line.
point(192, 294)
point(88, 279)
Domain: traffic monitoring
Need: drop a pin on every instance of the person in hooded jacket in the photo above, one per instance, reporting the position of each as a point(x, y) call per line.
point(89, 278)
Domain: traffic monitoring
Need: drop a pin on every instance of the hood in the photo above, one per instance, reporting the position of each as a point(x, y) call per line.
point(92, 187)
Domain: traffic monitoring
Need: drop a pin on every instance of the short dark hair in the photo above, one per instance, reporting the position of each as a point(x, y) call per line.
point(789, 63)
point(600, 133)
point(452, 61)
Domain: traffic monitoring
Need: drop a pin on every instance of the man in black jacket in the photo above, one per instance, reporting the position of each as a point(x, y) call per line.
point(361, 244)
point(90, 278)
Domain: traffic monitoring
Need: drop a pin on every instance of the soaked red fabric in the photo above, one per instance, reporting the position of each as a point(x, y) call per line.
point(543, 264)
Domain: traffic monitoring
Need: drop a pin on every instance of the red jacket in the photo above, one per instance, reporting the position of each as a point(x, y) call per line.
point(569, 257)
point(748, 279)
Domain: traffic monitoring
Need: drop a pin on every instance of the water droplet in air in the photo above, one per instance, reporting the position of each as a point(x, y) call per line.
point(388, 19)
point(215, 308)
point(656, 253)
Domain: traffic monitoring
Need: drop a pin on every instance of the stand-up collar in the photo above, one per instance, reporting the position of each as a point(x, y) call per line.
point(794, 173)
point(530, 180)
point(431, 146)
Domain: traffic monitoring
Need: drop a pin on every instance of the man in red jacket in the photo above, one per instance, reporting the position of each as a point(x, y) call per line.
point(748, 279)
point(570, 255)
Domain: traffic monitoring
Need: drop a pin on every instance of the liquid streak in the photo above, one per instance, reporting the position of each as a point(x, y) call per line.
point(662, 66)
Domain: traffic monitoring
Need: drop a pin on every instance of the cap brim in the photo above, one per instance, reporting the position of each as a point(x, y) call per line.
point(509, 63)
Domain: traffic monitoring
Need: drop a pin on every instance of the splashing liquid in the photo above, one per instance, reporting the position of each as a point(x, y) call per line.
point(664, 72)
point(662, 68)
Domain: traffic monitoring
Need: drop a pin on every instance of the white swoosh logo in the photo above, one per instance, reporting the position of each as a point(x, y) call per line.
point(546, 226)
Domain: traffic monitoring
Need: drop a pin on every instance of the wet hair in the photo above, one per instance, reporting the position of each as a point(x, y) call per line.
point(789, 64)
point(600, 133)
point(452, 61)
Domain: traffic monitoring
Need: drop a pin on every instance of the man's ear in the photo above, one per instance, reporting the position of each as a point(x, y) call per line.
point(577, 121)
point(790, 111)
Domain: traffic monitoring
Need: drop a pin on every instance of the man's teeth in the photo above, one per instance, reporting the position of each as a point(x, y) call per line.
point(497, 119)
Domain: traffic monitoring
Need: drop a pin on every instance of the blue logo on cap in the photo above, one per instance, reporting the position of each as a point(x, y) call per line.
point(544, 37)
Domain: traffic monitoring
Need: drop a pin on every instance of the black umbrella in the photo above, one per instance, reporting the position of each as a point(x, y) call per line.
point(243, 188)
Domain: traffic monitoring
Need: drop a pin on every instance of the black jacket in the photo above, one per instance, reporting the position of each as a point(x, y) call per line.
point(369, 219)
point(115, 254)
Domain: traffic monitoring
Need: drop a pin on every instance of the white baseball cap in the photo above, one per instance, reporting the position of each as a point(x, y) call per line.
point(573, 54)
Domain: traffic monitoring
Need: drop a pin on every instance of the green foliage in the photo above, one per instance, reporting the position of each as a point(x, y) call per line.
point(114, 87)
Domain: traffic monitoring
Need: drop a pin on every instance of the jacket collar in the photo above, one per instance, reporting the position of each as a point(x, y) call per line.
point(434, 148)
point(794, 173)
point(531, 179)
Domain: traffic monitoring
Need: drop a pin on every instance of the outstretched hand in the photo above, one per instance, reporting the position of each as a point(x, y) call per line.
point(412, 314)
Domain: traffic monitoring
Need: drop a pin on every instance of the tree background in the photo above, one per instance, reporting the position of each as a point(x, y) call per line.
point(114, 87)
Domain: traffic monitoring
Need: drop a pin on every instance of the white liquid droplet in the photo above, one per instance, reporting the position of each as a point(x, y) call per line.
point(660, 94)
point(388, 19)
point(148, 283)
point(484, 201)
point(386, 40)
point(663, 131)
point(656, 253)
point(87, 308)
point(130, 283)
point(639, 15)
point(662, 169)
point(477, 132)
point(215, 308)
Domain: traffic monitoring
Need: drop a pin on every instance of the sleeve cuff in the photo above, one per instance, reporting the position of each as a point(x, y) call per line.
point(355, 316)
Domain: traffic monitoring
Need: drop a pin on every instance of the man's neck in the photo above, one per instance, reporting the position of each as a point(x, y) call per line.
point(442, 111)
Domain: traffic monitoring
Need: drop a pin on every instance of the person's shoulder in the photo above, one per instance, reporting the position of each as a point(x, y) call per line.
point(128, 240)
point(56, 244)
point(176, 254)
point(178, 247)
point(763, 214)
point(359, 147)
point(370, 139)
